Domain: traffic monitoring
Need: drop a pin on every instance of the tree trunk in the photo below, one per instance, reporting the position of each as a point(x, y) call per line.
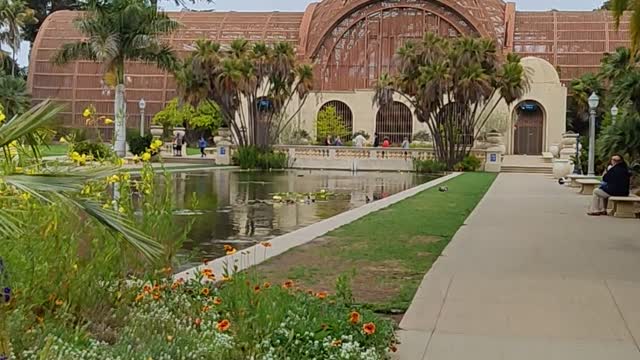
point(120, 108)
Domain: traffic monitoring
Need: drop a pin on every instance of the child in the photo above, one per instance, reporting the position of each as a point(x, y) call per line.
point(202, 144)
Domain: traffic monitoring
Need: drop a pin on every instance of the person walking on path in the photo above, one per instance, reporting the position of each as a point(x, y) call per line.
point(178, 145)
point(615, 182)
point(202, 144)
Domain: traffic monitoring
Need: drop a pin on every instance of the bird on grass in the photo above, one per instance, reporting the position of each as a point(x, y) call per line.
point(443, 189)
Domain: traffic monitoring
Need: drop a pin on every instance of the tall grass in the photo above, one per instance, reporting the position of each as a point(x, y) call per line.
point(252, 157)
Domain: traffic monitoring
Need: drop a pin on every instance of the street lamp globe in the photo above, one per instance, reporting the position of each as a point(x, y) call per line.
point(142, 104)
point(594, 100)
point(614, 111)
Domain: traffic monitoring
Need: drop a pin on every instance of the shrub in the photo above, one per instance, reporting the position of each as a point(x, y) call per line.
point(469, 163)
point(97, 150)
point(252, 157)
point(139, 144)
point(329, 123)
point(429, 166)
point(422, 136)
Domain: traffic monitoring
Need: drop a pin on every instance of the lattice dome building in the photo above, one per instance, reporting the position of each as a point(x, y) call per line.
point(350, 43)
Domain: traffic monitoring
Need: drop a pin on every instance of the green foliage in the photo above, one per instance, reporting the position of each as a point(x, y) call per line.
point(329, 123)
point(252, 157)
point(173, 114)
point(361, 132)
point(422, 136)
point(429, 166)
point(469, 163)
point(97, 150)
point(206, 117)
point(14, 96)
point(623, 137)
point(139, 144)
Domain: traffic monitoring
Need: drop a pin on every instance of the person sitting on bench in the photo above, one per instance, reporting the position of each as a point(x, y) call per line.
point(615, 182)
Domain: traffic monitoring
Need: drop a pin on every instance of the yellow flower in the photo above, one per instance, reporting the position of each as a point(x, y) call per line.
point(136, 158)
point(157, 143)
point(113, 179)
point(86, 112)
point(25, 196)
point(108, 121)
point(121, 210)
point(62, 140)
point(3, 117)
point(146, 156)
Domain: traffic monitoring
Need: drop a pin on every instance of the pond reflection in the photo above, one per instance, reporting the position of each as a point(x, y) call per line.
point(237, 207)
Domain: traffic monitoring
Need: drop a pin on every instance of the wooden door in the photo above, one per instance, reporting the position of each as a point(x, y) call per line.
point(528, 134)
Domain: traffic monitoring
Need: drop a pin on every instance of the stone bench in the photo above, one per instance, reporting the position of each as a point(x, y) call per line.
point(573, 179)
point(624, 206)
point(588, 185)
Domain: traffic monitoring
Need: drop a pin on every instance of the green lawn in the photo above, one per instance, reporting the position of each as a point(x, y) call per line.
point(387, 253)
point(193, 151)
point(54, 149)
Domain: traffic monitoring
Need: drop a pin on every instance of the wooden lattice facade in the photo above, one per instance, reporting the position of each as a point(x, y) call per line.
point(350, 43)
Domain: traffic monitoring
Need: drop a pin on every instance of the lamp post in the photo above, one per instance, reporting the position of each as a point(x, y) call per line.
point(142, 104)
point(594, 100)
point(614, 114)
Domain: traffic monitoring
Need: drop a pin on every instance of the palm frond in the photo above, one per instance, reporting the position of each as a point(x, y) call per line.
point(26, 123)
point(74, 51)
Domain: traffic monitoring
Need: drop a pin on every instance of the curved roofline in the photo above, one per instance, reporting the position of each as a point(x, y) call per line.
point(307, 19)
point(340, 16)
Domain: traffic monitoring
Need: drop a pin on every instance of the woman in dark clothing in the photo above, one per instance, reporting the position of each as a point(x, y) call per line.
point(376, 140)
point(615, 182)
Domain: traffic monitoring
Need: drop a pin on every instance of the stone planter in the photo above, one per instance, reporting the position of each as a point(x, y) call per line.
point(561, 168)
point(156, 131)
point(554, 150)
point(495, 138)
point(178, 130)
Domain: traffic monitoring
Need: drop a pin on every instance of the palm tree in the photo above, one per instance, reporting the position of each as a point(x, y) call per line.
point(617, 64)
point(618, 7)
point(116, 32)
point(14, 16)
point(60, 186)
point(454, 85)
point(14, 96)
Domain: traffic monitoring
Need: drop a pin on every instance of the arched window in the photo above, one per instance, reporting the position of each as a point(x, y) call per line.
point(394, 121)
point(343, 127)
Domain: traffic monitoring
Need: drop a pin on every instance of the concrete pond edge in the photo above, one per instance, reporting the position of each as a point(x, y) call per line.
point(258, 253)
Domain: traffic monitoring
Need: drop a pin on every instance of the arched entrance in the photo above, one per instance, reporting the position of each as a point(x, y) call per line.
point(528, 133)
point(394, 121)
point(344, 116)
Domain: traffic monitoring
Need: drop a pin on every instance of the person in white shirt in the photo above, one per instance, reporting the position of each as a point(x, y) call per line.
point(359, 141)
point(405, 143)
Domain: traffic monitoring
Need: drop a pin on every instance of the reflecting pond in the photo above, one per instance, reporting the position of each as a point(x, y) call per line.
point(238, 207)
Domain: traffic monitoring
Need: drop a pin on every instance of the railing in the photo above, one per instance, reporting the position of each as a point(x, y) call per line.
point(354, 153)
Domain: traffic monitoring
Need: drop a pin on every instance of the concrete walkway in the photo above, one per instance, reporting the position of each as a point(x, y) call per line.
point(530, 276)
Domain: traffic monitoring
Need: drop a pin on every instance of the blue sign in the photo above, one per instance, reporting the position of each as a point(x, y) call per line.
point(223, 151)
point(493, 157)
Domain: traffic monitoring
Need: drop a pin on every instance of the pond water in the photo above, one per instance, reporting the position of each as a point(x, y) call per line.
point(238, 207)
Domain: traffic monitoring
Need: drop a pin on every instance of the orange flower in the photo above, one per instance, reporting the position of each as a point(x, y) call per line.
point(369, 328)
point(266, 244)
point(59, 302)
point(207, 272)
point(156, 296)
point(205, 308)
point(288, 284)
point(217, 301)
point(229, 249)
point(175, 285)
point(256, 289)
point(205, 291)
point(266, 285)
point(223, 325)
point(232, 251)
point(354, 317)
point(147, 288)
point(197, 322)
point(336, 342)
point(139, 297)
point(321, 295)
point(211, 277)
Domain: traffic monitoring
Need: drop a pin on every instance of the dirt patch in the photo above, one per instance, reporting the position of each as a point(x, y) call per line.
point(316, 266)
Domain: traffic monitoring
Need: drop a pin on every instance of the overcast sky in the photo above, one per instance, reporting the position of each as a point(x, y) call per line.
point(299, 5)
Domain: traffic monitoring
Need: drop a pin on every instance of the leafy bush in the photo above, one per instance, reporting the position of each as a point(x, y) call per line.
point(422, 136)
point(329, 123)
point(429, 166)
point(469, 163)
point(97, 150)
point(173, 114)
point(139, 144)
point(251, 157)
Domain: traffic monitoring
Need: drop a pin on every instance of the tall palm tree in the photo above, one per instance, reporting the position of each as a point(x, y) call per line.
point(618, 7)
point(116, 32)
point(14, 16)
point(54, 186)
point(615, 65)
